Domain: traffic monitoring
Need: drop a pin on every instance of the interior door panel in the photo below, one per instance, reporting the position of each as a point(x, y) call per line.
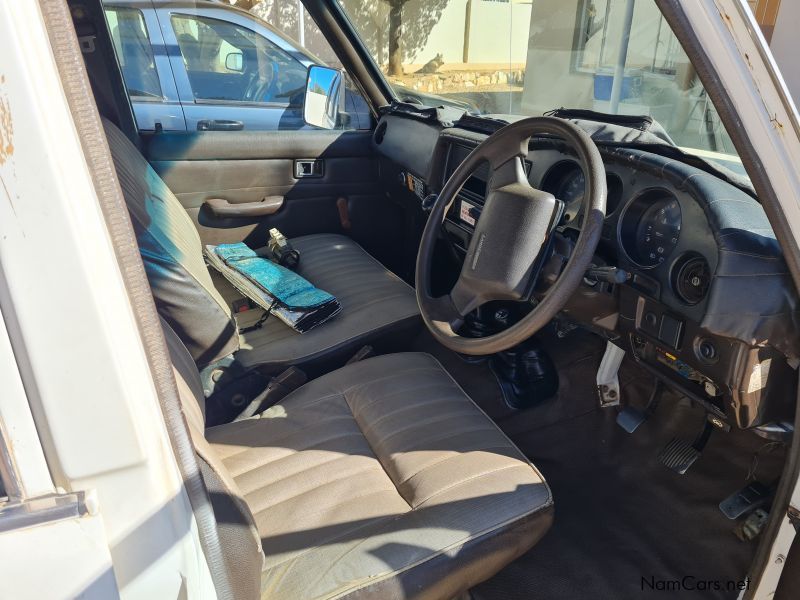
point(245, 167)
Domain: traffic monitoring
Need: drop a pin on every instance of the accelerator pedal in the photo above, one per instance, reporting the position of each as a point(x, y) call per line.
point(746, 500)
point(679, 454)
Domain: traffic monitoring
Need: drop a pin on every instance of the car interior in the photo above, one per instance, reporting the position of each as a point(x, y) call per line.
point(561, 366)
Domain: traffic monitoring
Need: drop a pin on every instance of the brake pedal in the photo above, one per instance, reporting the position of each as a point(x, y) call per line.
point(746, 500)
point(679, 454)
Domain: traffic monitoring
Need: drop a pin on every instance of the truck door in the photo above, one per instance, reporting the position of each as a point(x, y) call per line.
point(229, 76)
point(145, 66)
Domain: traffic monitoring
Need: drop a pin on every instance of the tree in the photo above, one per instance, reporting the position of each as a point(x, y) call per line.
point(409, 23)
point(245, 4)
point(395, 36)
point(400, 26)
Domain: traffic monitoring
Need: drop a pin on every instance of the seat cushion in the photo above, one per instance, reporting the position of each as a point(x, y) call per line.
point(374, 302)
point(382, 479)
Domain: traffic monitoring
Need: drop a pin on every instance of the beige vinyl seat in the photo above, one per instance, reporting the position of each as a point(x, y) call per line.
point(374, 301)
point(379, 480)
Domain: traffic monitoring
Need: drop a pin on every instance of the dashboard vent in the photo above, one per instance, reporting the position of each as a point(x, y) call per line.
point(692, 279)
point(380, 133)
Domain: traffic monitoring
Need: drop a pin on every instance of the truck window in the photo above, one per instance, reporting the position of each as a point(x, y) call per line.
point(134, 52)
point(226, 62)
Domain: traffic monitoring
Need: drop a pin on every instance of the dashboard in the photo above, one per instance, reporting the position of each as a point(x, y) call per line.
point(707, 306)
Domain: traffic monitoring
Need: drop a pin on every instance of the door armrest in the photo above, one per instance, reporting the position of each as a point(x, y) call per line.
point(267, 206)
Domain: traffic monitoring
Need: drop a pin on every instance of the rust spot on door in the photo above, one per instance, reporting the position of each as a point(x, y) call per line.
point(6, 127)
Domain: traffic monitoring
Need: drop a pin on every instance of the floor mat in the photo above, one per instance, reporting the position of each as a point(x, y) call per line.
point(625, 526)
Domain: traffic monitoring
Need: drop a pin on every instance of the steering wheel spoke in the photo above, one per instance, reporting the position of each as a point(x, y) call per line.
point(444, 312)
point(510, 173)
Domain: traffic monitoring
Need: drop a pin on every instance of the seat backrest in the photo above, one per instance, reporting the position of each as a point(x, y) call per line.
point(241, 544)
point(173, 256)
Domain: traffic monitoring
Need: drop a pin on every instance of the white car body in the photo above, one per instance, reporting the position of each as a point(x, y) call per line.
point(120, 522)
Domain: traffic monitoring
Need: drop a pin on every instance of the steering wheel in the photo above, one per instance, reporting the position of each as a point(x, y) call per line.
point(511, 238)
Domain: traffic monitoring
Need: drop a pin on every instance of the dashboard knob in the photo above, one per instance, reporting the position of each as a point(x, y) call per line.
point(429, 201)
point(707, 350)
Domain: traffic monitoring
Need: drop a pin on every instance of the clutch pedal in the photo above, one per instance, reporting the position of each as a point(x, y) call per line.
point(629, 418)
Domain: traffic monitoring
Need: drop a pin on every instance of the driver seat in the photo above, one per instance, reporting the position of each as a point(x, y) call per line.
point(375, 302)
point(379, 480)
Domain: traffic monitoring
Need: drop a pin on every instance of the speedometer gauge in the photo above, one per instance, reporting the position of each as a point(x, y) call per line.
point(567, 182)
point(572, 187)
point(650, 228)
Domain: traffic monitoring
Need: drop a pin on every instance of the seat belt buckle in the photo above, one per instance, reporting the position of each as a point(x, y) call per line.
point(277, 389)
point(281, 249)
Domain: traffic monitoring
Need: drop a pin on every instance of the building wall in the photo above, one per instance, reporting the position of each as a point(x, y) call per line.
point(785, 46)
point(553, 57)
point(498, 30)
point(766, 12)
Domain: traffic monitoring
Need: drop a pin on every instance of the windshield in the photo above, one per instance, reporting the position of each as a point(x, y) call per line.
point(528, 57)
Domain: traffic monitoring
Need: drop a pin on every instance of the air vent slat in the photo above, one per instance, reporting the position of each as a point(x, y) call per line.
point(692, 279)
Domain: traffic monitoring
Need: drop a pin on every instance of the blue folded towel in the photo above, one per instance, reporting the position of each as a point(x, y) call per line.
point(291, 297)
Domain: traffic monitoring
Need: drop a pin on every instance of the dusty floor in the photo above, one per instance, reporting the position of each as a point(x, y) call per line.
point(623, 522)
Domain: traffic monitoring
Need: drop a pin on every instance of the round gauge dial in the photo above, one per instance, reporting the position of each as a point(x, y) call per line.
point(570, 191)
point(567, 182)
point(650, 228)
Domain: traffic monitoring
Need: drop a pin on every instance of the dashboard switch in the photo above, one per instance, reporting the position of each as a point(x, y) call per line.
point(646, 285)
point(670, 332)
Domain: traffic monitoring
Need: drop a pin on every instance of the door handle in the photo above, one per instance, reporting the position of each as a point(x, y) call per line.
point(219, 125)
point(308, 167)
point(222, 208)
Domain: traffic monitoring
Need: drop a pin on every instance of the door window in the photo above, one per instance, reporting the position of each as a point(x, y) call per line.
point(229, 63)
point(134, 52)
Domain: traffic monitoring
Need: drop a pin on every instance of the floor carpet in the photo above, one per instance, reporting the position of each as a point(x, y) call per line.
point(624, 524)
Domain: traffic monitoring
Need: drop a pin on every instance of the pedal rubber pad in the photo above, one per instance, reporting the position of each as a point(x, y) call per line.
point(753, 496)
point(678, 455)
point(630, 418)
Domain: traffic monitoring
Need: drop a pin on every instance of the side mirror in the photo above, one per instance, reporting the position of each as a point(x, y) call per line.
point(234, 61)
point(323, 104)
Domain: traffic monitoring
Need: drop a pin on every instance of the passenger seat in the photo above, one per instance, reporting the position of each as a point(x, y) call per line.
point(376, 304)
